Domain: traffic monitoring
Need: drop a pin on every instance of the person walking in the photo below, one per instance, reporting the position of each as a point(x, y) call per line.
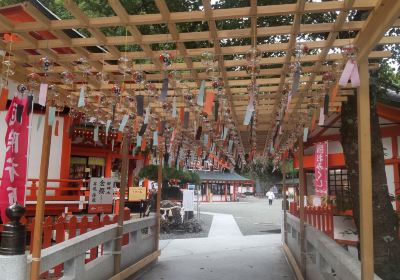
point(270, 196)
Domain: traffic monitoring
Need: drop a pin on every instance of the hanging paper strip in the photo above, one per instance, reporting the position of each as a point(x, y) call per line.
point(40, 118)
point(139, 105)
point(20, 109)
point(138, 140)
point(216, 109)
point(198, 133)
point(350, 72)
point(230, 145)
point(182, 115)
point(15, 164)
point(146, 116)
point(123, 122)
point(209, 102)
point(326, 104)
point(321, 116)
point(81, 101)
point(56, 127)
point(162, 127)
point(3, 99)
point(29, 104)
point(164, 90)
point(186, 120)
point(143, 145)
point(96, 134)
point(174, 115)
point(205, 139)
point(200, 97)
point(52, 115)
point(142, 129)
point(225, 133)
point(108, 126)
point(155, 138)
point(43, 94)
point(296, 81)
point(112, 144)
point(213, 148)
point(249, 110)
point(305, 134)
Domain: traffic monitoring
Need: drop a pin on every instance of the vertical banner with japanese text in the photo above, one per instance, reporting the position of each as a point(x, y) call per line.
point(101, 195)
point(13, 183)
point(321, 168)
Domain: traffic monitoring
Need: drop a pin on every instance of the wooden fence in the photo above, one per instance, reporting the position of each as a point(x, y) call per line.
point(320, 217)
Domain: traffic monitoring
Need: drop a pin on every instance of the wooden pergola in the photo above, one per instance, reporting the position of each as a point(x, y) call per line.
point(275, 121)
point(46, 37)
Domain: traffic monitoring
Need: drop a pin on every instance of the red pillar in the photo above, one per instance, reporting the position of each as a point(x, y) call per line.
point(107, 172)
point(66, 151)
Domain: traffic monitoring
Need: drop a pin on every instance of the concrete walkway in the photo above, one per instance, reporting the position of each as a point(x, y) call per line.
point(223, 225)
point(225, 255)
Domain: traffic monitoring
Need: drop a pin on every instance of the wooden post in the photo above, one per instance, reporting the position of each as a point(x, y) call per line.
point(122, 191)
point(365, 176)
point(303, 255)
point(41, 197)
point(284, 203)
point(158, 206)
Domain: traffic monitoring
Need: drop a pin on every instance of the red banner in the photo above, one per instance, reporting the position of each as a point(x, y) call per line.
point(321, 168)
point(14, 172)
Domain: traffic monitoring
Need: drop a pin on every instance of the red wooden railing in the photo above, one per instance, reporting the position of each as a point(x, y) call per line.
point(58, 230)
point(320, 217)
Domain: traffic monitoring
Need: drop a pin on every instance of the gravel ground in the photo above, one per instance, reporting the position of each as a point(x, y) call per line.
point(253, 215)
point(205, 221)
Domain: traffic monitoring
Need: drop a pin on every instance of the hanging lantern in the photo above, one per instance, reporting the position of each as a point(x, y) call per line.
point(218, 84)
point(46, 64)
point(253, 55)
point(33, 80)
point(166, 59)
point(83, 65)
point(300, 49)
point(22, 89)
point(176, 76)
point(67, 78)
point(150, 89)
point(349, 52)
point(8, 68)
point(253, 69)
point(294, 67)
point(116, 90)
point(207, 59)
point(104, 101)
point(125, 65)
point(328, 78)
point(167, 107)
point(102, 78)
point(139, 77)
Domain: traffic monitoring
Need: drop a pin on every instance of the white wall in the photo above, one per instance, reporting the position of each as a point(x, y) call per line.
point(387, 147)
point(35, 150)
point(389, 168)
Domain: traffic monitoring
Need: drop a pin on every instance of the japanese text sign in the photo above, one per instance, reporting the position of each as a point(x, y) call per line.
point(14, 171)
point(321, 168)
point(101, 195)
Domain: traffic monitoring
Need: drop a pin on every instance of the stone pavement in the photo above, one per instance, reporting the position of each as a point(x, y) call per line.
point(224, 255)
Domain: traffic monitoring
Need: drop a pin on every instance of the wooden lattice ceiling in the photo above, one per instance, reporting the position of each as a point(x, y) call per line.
point(41, 36)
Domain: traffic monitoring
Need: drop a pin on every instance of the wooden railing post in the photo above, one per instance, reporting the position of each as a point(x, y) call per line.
point(122, 191)
point(44, 167)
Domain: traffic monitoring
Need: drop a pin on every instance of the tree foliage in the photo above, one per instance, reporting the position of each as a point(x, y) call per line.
point(170, 173)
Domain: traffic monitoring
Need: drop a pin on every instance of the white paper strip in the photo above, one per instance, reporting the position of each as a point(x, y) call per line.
point(43, 94)
point(96, 134)
point(108, 126)
point(81, 101)
point(321, 116)
point(123, 122)
point(52, 115)
point(305, 134)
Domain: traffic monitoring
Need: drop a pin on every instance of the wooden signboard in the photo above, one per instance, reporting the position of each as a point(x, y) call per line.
point(101, 195)
point(137, 194)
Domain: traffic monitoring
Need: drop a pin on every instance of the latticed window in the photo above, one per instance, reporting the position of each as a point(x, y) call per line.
point(339, 187)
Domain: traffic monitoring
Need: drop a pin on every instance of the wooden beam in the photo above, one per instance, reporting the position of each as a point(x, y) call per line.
point(365, 175)
point(302, 188)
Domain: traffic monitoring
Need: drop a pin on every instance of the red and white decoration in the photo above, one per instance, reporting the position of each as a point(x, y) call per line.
point(321, 169)
point(14, 171)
